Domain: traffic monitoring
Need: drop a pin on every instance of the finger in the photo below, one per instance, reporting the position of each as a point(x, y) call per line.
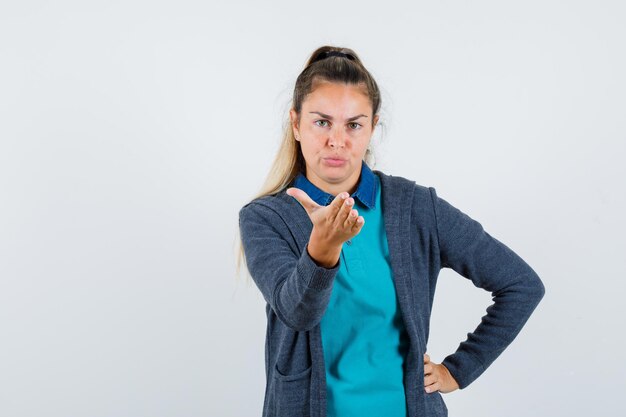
point(358, 225)
point(430, 380)
point(344, 212)
point(336, 205)
point(426, 358)
point(303, 198)
point(350, 219)
point(432, 387)
point(428, 369)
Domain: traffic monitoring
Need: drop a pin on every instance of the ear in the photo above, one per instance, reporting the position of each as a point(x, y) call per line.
point(375, 122)
point(293, 116)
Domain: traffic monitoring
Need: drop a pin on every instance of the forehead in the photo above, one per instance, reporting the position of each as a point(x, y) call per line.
point(337, 98)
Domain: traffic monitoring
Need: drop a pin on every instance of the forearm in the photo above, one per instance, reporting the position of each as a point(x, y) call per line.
point(304, 298)
point(491, 265)
point(505, 318)
point(296, 287)
point(301, 299)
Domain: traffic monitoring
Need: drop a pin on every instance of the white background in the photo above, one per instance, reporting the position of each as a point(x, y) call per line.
point(131, 132)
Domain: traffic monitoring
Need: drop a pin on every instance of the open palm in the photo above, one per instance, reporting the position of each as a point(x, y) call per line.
point(332, 224)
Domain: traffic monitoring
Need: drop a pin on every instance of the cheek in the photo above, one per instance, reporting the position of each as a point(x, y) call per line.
point(313, 143)
point(309, 148)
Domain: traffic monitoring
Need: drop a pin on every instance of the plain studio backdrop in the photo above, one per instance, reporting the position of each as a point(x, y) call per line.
point(131, 132)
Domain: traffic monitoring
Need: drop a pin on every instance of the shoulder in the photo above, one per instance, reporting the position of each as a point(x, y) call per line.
point(274, 208)
point(264, 203)
point(398, 184)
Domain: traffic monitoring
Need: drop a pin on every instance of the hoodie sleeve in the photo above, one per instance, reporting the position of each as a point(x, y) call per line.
point(295, 286)
point(516, 288)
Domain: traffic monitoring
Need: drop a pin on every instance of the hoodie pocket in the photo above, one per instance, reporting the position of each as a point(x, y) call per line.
point(293, 393)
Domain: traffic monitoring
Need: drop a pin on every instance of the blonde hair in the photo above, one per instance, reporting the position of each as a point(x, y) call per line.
point(289, 161)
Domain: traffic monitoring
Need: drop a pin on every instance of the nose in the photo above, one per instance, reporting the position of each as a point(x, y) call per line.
point(337, 138)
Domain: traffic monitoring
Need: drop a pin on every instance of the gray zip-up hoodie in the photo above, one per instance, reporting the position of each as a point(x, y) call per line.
point(425, 233)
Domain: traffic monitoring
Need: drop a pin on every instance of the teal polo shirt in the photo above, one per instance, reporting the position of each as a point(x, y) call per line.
point(363, 335)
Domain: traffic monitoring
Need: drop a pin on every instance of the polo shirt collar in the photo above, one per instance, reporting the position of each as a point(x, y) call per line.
point(365, 192)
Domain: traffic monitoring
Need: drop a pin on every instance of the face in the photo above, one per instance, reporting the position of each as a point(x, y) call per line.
point(334, 132)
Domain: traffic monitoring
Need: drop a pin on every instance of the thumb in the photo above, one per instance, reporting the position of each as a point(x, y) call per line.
point(303, 198)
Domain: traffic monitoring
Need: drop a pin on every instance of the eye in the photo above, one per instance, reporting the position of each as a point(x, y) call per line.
point(357, 125)
point(321, 120)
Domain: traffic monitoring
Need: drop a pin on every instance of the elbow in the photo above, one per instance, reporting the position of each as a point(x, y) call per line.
point(539, 287)
point(301, 315)
point(535, 289)
point(303, 325)
point(298, 321)
point(300, 307)
point(526, 289)
point(541, 290)
point(306, 314)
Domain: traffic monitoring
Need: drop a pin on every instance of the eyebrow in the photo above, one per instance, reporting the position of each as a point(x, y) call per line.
point(330, 117)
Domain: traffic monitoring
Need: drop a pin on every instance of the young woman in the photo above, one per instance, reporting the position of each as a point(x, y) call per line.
point(347, 259)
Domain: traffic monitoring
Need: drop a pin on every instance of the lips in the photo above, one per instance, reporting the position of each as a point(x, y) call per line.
point(334, 161)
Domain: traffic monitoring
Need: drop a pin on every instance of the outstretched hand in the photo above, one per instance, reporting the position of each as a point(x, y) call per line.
point(437, 377)
point(332, 225)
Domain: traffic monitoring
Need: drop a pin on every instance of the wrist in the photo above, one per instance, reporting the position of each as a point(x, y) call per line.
point(322, 253)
